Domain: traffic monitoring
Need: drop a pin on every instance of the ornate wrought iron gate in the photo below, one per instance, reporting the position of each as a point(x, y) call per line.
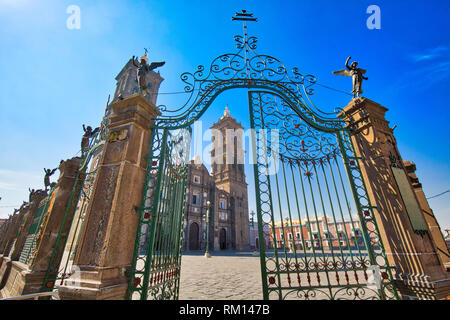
point(324, 240)
point(305, 183)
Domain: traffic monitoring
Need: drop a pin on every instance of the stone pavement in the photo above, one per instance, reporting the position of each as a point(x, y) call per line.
point(236, 275)
point(227, 275)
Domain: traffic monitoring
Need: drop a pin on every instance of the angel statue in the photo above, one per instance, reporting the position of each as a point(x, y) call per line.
point(355, 73)
point(32, 192)
point(143, 69)
point(48, 173)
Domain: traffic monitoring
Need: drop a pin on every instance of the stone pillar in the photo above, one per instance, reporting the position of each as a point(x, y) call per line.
point(108, 234)
point(10, 233)
point(7, 245)
point(60, 214)
point(26, 279)
point(433, 225)
point(5, 231)
point(4, 238)
point(408, 242)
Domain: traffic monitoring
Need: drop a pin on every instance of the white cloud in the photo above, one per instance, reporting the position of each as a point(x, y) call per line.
point(7, 186)
point(431, 54)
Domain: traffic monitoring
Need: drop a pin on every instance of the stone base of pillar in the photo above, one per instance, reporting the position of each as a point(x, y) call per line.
point(422, 287)
point(22, 281)
point(94, 284)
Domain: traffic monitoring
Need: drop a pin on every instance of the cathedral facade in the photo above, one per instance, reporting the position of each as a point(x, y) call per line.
point(223, 191)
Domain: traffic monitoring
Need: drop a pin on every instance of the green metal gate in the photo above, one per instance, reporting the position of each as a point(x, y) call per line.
point(313, 207)
point(157, 257)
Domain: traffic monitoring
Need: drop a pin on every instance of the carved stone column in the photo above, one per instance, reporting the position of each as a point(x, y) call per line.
point(109, 231)
point(11, 232)
point(7, 244)
point(5, 231)
point(5, 262)
point(405, 235)
point(28, 215)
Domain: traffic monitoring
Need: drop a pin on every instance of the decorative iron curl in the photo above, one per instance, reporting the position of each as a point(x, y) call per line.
point(238, 70)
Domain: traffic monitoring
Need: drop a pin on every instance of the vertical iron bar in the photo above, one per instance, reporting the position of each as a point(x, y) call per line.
point(320, 237)
point(256, 173)
point(156, 200)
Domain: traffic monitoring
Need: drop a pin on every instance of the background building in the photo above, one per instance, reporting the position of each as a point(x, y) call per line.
point(320, 233)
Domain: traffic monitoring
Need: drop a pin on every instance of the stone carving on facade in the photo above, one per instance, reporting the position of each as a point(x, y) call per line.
point(118, 135)
point(395, 160)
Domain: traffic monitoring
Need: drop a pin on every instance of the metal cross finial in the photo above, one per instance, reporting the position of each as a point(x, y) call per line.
point(244, 16)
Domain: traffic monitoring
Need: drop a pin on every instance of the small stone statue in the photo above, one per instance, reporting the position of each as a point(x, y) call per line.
point(24, 204)
point(88, 133)
point(143, 69)
point(32, 192)
point(48, 173)
point(356, 74)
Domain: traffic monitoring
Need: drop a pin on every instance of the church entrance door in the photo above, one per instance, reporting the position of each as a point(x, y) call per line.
point(193, 237)
point(223, 239)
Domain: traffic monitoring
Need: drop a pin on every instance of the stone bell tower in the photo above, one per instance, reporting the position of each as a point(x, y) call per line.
point(227, 163)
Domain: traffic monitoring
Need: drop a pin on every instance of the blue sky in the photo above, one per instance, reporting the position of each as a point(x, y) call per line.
point(55, 79)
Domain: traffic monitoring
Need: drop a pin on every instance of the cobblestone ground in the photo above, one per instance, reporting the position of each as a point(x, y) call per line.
point(228, 276)
point(236, 275)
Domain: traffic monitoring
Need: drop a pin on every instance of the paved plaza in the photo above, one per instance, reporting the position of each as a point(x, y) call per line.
point(225, 276)
point(236, 275)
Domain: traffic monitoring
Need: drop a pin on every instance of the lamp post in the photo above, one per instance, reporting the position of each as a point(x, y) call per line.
point(252, 213)
point(290, 241)
point(255, 252)
point(208, 205)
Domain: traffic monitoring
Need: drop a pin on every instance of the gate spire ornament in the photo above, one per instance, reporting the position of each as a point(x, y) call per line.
point(356, 74)
point(244, 17)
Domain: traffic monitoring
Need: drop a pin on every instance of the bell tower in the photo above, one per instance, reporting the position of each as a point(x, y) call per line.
point(227, 164)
